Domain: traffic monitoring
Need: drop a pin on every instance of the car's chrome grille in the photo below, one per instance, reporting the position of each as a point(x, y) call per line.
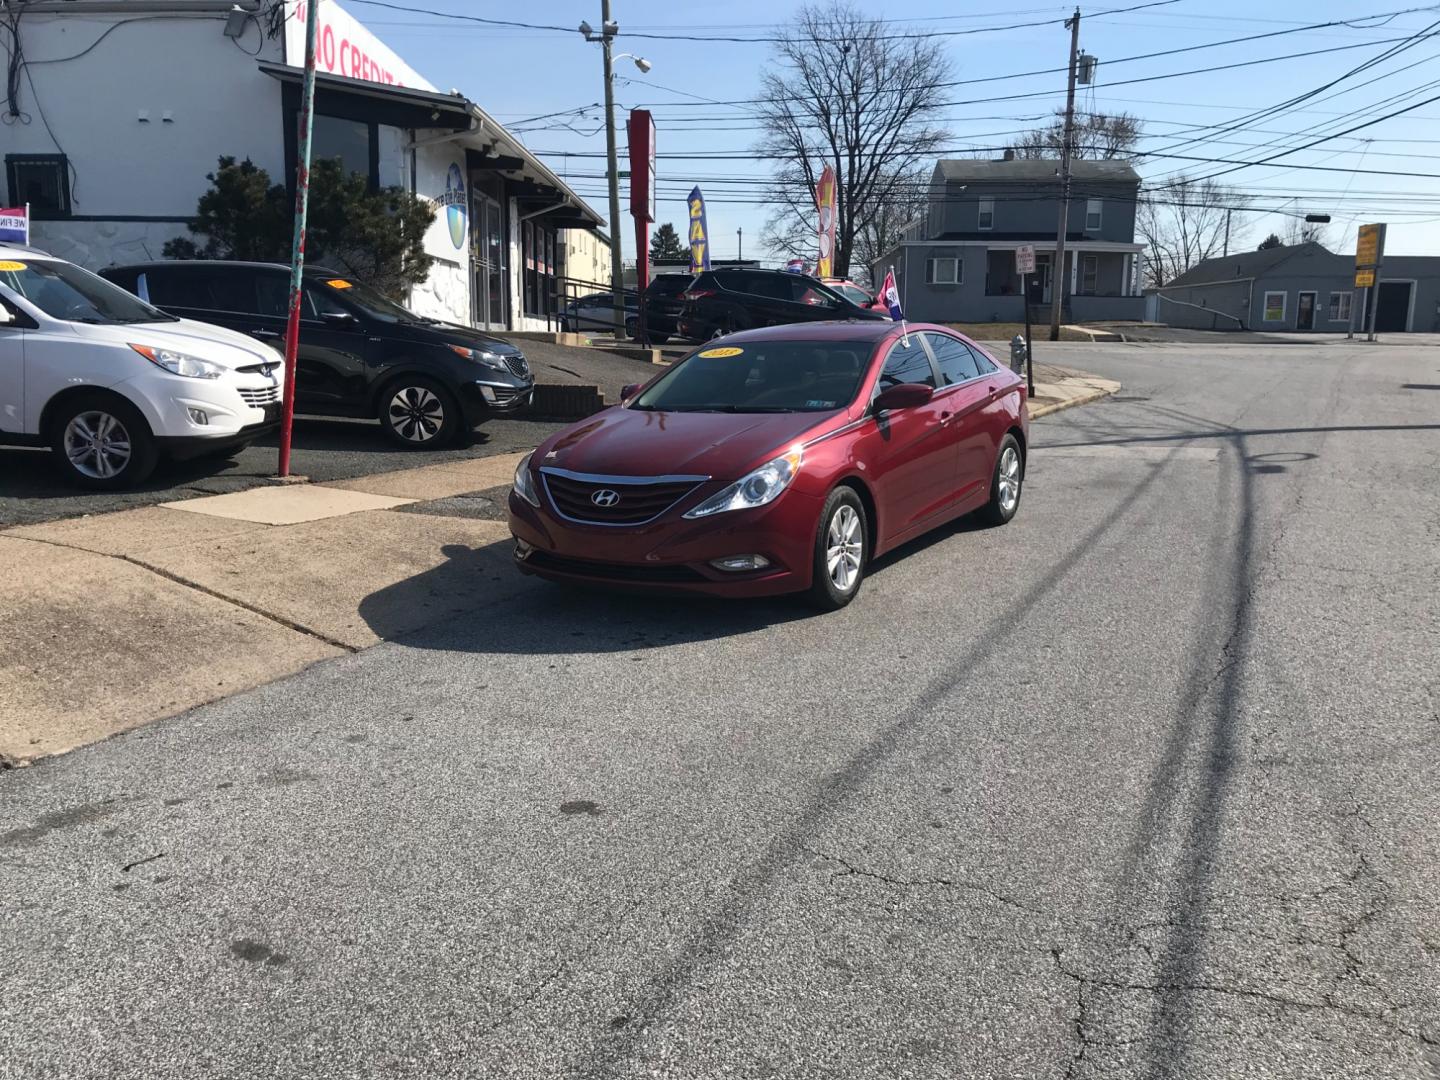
point(267, 395)
point(518, 365)
point(504, 395)
point(638, 500)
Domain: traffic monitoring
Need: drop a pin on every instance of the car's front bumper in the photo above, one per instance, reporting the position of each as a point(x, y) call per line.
point(484, 398)
point(184, 447)
point(673, 554)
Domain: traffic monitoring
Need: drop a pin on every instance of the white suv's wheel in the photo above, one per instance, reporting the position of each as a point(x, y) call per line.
point(103, 442)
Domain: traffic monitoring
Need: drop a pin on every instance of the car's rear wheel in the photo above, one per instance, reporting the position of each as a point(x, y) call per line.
point(842, 548)
point(418, 413)
point(1005, 484)
point(658, 339)
point(632, 326)
point(103, 443)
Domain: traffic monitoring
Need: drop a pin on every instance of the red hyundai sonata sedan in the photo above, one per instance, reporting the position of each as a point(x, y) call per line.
point(776, 460)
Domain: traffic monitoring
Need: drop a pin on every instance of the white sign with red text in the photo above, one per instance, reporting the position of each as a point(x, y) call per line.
point(344, 47)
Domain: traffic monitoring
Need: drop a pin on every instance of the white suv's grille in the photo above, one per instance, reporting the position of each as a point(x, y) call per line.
point(268, 395)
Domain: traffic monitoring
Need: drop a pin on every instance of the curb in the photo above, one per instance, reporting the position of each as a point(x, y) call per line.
point(566, 401)
point(1036, 412)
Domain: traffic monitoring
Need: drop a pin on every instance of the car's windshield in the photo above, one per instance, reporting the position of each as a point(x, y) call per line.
point(854, 294)
point(372, 301)
point(762, 376)
point(64, 291)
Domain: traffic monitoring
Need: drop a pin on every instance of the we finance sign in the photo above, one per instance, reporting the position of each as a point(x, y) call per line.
point(344, 47)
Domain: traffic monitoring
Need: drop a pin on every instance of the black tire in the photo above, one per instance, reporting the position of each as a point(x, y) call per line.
point(843, 513)
point(418, 413)
point(632, 326)
point(1009, 470)
point(658, 339)
point(121, 450)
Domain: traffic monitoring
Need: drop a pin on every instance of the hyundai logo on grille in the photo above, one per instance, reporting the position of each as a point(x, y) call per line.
point(605, 497)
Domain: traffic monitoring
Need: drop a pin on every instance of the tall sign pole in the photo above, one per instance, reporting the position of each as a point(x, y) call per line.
point(297, 245)
point(617, 272)
point(1369, 255)
point(1058, 275)
point(640, 131)
point(1025, 263)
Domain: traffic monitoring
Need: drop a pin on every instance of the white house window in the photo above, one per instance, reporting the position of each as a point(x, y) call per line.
point(1089, 274)
point(987, 214)
point(1092, 215)
point(1274, 307)
point(1340, 306)
point(42, 180)
point(942, 272)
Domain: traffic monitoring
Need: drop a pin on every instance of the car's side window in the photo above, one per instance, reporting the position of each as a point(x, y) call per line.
point(318, 303)
point(806, 293)
point(170, 287)
point(234, 289)
point(906, 365)
point(272, 295)
point(983, 362)
point(954, 359)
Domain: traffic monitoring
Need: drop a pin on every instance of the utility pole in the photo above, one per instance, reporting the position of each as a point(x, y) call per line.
point(1226, 250)
point(1059, 278)
point(740, 244)
point(608, 30)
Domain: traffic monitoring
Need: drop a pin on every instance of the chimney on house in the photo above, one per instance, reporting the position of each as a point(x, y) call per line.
point(1009, 155)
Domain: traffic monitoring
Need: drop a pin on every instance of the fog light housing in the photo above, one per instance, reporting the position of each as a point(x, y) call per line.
point(522, 550)
point(737, 563)
point(488, 394)
point(199, 416)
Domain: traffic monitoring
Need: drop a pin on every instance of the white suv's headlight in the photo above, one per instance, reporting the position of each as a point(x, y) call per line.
point(178, 363)
point(762, 486)
point(524, 484)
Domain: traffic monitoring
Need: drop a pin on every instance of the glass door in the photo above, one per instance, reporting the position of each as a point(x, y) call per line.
point(491, 265)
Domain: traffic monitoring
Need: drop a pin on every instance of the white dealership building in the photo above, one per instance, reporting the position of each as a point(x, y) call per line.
point(124, 106)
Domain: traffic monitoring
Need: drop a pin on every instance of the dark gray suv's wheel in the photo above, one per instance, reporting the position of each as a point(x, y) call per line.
point(102, 442)
point(418, 413)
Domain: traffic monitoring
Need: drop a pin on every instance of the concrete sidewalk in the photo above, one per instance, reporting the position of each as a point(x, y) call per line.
point(115, 620)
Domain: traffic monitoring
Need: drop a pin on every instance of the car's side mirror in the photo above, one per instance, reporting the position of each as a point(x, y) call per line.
point(903, 396)
point(630, 390)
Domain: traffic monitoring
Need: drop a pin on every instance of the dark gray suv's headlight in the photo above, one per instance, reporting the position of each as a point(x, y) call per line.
point(494, 361)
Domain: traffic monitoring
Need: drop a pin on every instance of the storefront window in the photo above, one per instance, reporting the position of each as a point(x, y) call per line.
point(539, 250)
point(347, 140)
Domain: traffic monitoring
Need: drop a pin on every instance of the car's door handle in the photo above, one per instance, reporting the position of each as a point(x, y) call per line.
point(264, 335)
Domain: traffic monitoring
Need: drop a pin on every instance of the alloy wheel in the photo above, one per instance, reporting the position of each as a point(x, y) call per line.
point(844, 546)
point(97, 445)
point(1009, 479)
point(416, 414)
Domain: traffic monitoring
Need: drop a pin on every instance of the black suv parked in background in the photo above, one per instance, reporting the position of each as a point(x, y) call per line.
point(360, 353)
point(664, 297)
point(724, 301)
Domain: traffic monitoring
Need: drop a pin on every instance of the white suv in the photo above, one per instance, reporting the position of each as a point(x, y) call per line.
point(111, 383)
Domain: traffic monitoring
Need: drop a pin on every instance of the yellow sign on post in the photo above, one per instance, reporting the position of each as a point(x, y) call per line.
point(1364, 279)
point(1367, 246)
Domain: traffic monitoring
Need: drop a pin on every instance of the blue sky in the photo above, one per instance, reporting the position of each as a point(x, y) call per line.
point(520, 74)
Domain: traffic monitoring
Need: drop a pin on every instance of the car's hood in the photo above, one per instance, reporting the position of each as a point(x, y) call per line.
point(228, 348)
point(443, 333)
point(635, 442)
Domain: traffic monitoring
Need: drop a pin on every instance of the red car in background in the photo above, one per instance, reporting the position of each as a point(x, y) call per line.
point(855, 294)
point(776, 460)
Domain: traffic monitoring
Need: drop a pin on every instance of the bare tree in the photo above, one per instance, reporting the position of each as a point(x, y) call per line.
point(880, 228)
point(1300, 231)
point(843, 93)
point(1183, 222)
point(1097, 136)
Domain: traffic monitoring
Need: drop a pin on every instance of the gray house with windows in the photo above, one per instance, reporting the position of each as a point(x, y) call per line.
point(1301, 287)
point(956, 263)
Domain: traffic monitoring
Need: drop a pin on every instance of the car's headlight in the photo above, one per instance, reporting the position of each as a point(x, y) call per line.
point(762, 486)
point(178, 363)
point(494, 361)
point(524, 483)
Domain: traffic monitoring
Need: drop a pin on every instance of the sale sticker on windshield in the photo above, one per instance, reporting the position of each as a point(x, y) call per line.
point(338, 283)
point(718, 354)
point(10, 264)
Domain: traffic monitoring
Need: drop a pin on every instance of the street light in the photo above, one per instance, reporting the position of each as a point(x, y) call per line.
point(608, 29)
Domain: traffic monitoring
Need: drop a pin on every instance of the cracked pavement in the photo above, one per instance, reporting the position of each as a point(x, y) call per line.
point(1144, 785)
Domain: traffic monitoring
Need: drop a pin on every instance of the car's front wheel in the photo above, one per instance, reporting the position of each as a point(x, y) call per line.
point(842, 548)
point(418, 413)
point(103, 443)
point(1005, 484)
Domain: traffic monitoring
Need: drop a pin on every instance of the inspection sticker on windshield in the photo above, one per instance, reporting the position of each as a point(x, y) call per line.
point(718, 354)
point(339, 284)
point(812, 404)
point(9, 264)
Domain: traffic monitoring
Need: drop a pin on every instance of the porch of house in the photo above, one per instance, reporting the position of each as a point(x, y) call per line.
point(1098, 284)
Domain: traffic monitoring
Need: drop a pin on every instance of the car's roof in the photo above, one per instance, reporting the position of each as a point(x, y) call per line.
point(23, 251)
point(867, 330)
point(154, 263)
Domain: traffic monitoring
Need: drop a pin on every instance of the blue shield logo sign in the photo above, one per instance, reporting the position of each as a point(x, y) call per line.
point(454, 201)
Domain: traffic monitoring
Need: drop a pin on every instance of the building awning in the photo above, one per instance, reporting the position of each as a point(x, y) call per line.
point(451, 118)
